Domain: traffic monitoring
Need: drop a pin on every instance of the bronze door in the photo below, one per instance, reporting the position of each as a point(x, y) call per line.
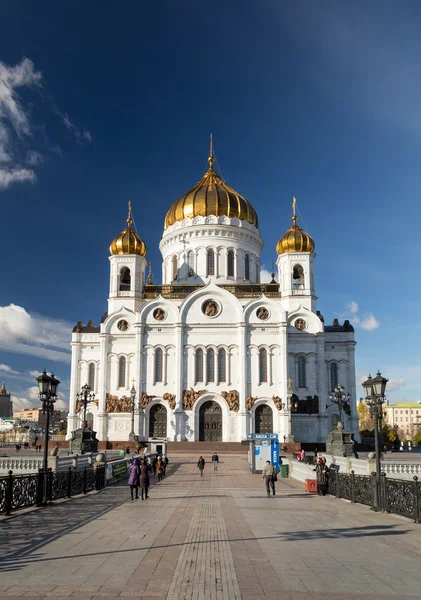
point(264, 419)
point(158, 421)
point(210, 418)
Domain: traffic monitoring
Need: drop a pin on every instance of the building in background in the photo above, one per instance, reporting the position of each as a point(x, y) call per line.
point(32, 415)
point(406, 416)
point(6, 405)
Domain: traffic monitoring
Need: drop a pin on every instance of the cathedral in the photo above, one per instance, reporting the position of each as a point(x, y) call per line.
point(212, 354)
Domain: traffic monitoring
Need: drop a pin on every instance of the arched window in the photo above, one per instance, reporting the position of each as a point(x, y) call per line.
point(298, 278)
point(211, 262)
point(211, 365)
point(222, 365)
point(333, 376)
point(190, 262)
point(91, 376)
point(263, 365)
point(122, 372)
point(230, 263)
point(302, 372)
point(174, 267)
point(125, 279)
point(247, 267)
point(199, 364)
point(158, 364)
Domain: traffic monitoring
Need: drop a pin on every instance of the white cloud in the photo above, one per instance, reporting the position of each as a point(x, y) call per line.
point(34, 373)
point(265, 276)
point(34, 158)
point(20, 403)
point(367, 321)
point(14, 122)
point(395, 384)
point(7, 369)
point(81, 134)
point(34, 334)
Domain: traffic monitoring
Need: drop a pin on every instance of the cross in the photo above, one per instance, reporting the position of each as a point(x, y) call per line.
point(133, 381)
point(289, 381)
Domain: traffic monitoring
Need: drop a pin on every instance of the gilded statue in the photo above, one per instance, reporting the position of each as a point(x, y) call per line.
point(233, 400)
point(170, 398)
point(277, 402)
point(145, 399)
point(114, 404)
point(79, 404)
point(250, 402)
point(190, 397)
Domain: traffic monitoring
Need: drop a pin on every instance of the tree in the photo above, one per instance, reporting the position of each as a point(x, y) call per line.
point(365, 421)
point(417, 439)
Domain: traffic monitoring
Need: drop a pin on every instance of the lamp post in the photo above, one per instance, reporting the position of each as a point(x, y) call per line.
point(132, 436)
point(375, 388)
point(86, 395)
point(47, 386)
point(340, 397)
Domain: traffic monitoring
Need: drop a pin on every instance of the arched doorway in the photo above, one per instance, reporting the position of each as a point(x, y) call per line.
point(158, 421)
point(210, 422)
point(264, 419)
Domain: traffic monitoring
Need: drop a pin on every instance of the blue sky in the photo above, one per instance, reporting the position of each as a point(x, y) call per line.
point(101, 103)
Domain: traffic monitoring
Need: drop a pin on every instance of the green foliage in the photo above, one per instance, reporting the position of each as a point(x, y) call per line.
point(417, 439)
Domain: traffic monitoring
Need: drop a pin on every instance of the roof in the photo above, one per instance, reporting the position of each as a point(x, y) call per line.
point(404, 405)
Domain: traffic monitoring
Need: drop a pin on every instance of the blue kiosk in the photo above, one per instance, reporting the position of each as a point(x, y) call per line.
point(263, 447)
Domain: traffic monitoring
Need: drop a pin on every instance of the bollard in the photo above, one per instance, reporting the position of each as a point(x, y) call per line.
point(9, 493)
point(69, 482)
point(417, 500)
point(40, 486)
point(383, 496)
point(353, 487)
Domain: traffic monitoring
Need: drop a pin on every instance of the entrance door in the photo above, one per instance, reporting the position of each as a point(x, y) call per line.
point(158, 421)
point(264, 419)
point(210, 422)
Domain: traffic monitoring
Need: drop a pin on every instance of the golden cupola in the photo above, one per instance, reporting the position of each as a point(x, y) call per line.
point(295, 239)
point(211, 196)
point(128, 242)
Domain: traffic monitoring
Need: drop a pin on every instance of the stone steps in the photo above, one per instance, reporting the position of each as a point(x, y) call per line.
point(208, 447)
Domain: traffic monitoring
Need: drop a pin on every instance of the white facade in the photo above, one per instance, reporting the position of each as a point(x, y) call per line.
point(244, 351)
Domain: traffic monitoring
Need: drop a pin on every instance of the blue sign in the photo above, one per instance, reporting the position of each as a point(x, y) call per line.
point(257, 450)
point(261, 435)
point(273, 436)
point(249, 436)
point(275, 454)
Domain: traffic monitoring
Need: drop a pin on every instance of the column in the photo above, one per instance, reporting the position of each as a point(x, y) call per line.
point(74, 385)
point(243, 378)
point(179, 414)
point(102, 387)
point(351, 388)
point(284, 416)
point(140, 420)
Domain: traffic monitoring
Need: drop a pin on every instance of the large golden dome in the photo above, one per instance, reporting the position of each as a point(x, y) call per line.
point(295, 239)
point(128, 242)
point(211, 196)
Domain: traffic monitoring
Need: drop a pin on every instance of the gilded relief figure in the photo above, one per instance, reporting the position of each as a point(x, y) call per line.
point(190, 397)
point(145, 399)
point(233, 400)
point(250, 402)
point(170, 398)
point(277, 402)
point(117, 405)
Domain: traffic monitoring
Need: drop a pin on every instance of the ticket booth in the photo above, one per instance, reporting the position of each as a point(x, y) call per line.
point(158, 446)
point(263, 447)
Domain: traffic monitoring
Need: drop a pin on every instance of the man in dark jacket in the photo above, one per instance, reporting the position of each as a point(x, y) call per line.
point(215, 460)
point(321, 476)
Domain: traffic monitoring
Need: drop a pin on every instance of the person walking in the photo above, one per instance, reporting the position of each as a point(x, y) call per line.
point(144, 479)
point(270, 476)
point(134, 475)
point(160, 469)
point(165, 462)
point(201, 465)
point(321, 476)
point(215, 460)
point(154, 463)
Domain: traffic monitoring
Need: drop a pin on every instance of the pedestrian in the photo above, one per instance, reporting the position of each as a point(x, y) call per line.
point(144, 479)
point(134, 475)
point(128, 450)
point(270, 476)
point(215, 460)
point(165, 462)
point(154, 461)
point(201, 465)
point(321, 476)
point(160, 469)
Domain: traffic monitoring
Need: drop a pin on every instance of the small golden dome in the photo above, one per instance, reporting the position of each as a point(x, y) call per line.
point(211, 196)
point(128, 242)
point(295, 239)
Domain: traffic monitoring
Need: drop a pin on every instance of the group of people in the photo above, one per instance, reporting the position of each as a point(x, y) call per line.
point(201, 463)
point(139, 471)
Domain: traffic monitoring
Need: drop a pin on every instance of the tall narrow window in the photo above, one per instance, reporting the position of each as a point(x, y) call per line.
point(230, 263)
point(211, 262)
point(91, 376)
point(211, 365)
point(263, 365)
point(125, 279)
point(199, 364)
point(174, 267)
point(247, 267)
point(122, 372)
point(301, 372)
point(190, 262)
point(222, 365)
point(298, 278)
point(158, 364)
point(333, 376)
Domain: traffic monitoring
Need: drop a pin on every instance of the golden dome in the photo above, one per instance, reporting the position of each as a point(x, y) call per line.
point(211, 196)
point(295, 239)
point(128, 242)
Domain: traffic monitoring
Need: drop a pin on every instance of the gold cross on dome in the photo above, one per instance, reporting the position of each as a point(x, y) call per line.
point(289, 381)
point(133, 381)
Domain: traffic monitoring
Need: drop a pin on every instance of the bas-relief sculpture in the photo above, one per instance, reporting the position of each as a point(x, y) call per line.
point(145, 399)
point(233, 400)
point(79, 405)
point(114, 404)
point(250, 402)
point(190, 397)
point(170, 398)
point(277, 402)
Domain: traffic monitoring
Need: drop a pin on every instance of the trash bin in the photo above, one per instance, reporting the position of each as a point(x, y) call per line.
point(284, 471)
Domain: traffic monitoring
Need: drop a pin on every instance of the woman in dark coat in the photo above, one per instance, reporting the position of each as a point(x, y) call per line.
point(201, 465)
point(321, 475)
point(134, 476)
point(144, 479)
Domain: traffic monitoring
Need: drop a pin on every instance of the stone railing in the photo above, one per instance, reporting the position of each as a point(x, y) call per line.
point(401, 470)
point(22, 464)
point(25, 464)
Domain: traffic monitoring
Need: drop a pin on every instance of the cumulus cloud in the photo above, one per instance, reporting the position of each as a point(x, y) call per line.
point(33, 334)
point(81, 134)
point(367, 321)
point(19, 403)
point(7, 369)
point(14, 121)
point(395, 384)
point(265, 276)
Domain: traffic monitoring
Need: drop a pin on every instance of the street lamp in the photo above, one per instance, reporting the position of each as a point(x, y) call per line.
point(132, 436)
point(375, 390)
point(47, 386)
point(85, 396)
point(341, 398)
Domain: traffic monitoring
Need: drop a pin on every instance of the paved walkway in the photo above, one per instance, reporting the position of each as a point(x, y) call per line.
point(213, 538)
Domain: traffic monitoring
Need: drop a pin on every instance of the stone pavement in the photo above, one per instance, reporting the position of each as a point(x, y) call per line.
point(213, 538)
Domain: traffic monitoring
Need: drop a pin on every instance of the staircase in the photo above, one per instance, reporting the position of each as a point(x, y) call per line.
point(199, 448)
